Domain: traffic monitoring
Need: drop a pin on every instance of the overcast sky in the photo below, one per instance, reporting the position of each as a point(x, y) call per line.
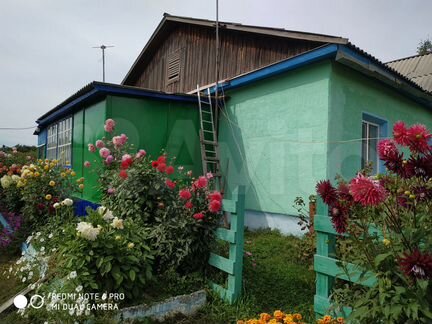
point(46, 51)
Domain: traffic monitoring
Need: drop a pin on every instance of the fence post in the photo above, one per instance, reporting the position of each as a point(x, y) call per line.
point(235, 236)
point(326, 245)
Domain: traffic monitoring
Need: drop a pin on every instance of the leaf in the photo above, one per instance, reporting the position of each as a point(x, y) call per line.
point(132, 275)
point(99, 262)
point(381, 257)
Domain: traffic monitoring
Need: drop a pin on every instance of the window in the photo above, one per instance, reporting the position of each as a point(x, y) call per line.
point(370, 137)
point(373, 129)
point(59, 141)
point(173, 66)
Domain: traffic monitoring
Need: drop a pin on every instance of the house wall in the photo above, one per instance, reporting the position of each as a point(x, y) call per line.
point(154, 125)
point(87, 128)
point(149, 124)
point(351, 95)
point(265, 137)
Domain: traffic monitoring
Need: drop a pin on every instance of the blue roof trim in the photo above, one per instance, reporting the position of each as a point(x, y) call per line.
point(142, 93)
point(104, 90)
point(319, 54)
point(65, 109)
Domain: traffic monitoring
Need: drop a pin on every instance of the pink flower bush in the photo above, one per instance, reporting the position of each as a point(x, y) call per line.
point(126, 161)
point(104, 152)
point(109, 125)
point(87, 164)
point(119, 141)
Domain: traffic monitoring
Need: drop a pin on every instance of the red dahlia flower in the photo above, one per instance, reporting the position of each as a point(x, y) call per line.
point(155, 164)
point(327, 192)
point(201, 182)
point(123, 174)
point(198, 216)
point(366, 191)
point(185, 194)
point(400, 133)
point(161, 167)
point(215, 206)
point(416, 265)
point(170, 170)
point(162, 159)
point(387, 150)
point(170, 184)
point(215, 195)
point(418, 138)
point(189, 205)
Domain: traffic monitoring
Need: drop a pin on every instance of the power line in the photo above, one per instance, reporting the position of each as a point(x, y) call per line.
point(17, 128)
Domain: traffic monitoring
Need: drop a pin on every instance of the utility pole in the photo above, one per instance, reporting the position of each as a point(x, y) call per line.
point(103, 47)
point(217, 67)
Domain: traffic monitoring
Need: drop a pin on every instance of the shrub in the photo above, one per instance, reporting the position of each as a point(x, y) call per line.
point(179, 211)
point(387, 222)
point(106, 253)
point(43, 185)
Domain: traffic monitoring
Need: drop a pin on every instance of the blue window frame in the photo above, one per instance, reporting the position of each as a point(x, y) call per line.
point(374, 128)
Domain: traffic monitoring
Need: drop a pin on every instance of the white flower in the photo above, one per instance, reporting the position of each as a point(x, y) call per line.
point(117, 223)
point(79, 288)
point(53, 249)
point(6, 181)
point(108, 216)
point(24, 279)
point(38, 234)
point(67, 202)
point(29, 239)
point(73, 275)
point(42, 248)
point(56, 205)
point(87, 231)
point(51, 235)
point(33, 286)
point(42, 239)
point(101, 210)
point(31, 273)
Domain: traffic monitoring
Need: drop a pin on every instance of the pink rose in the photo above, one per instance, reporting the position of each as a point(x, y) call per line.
point(109, 159)
point(104, 152)
point(140, 154)
point(100, 144)
point(91, 148)
point(109, 125)
point(87, 164)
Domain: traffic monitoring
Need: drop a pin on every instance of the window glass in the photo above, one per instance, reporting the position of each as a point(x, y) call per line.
point(370, 138)
point(59, 141)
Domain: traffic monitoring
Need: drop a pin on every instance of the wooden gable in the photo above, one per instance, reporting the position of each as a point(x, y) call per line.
point(181, 53)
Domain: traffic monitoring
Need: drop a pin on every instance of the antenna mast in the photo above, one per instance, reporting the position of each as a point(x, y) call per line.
point(217, 67)
point(103, 47)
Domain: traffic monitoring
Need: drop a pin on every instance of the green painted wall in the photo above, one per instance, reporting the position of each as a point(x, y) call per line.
point(266, 134)
point(87, 128)
point(154, 125)
point(351, 95)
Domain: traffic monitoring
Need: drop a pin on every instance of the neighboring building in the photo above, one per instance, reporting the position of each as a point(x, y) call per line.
point(299, 107)
point(417, 68)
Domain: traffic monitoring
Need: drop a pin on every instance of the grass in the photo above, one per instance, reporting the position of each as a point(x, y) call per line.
point(278, 281)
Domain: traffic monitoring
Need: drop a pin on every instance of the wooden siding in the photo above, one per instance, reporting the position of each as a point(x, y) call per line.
point(239, 53)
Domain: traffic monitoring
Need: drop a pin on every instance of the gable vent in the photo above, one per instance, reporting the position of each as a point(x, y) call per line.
point(173, 66)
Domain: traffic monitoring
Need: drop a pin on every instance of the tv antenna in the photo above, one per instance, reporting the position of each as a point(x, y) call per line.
point(103, 47)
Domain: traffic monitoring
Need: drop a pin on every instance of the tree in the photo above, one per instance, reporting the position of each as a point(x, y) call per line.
point(424, 47)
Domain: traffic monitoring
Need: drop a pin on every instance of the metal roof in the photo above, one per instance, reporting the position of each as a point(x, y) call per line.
point(98, 90)
point(417, 68)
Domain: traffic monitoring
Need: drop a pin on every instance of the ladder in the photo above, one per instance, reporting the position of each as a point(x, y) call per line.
point(208, 139)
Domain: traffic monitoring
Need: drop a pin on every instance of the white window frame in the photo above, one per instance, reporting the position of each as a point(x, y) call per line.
point(59, 140)
point(367, 139)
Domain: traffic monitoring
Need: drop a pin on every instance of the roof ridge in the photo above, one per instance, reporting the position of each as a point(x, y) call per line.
point(408, 57)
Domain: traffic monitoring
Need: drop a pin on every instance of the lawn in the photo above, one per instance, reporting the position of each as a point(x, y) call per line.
point(278, 281)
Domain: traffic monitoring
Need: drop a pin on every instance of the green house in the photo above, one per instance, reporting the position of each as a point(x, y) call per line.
point(294, 108)
point(152, 121)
